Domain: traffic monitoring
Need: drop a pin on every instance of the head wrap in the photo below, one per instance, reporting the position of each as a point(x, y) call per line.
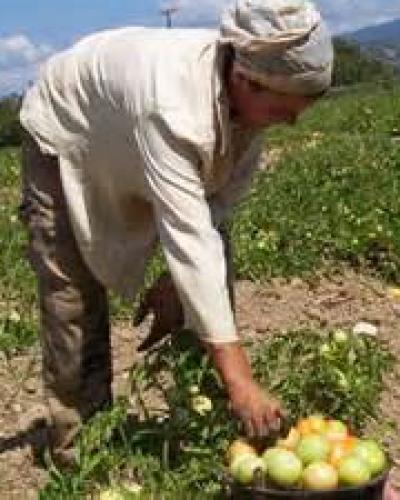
point(282, 44)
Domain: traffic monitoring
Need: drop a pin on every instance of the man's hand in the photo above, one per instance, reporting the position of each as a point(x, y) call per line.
point(260, 413)
point(162, 300)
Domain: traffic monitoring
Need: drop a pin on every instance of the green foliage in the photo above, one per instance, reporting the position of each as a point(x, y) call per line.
point(10, 128)
point(312, 373)
point(352, 65)
point(333, 196)
point(17, 290)
point(174, 450)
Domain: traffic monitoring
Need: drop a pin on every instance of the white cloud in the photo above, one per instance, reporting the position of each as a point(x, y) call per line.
point(19, 60)
point(18, 50)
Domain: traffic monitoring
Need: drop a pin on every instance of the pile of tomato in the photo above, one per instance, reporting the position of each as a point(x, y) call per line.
point(317, 454)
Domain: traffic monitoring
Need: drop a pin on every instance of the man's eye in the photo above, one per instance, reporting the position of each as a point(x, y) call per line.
point(256, 87)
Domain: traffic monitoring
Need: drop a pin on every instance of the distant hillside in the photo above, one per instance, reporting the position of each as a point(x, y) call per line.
point(388, 32)
point(354, 65)
point(381, 41)
point(10, 129)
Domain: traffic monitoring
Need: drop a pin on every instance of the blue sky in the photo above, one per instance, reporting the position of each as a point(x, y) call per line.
point(31, 30)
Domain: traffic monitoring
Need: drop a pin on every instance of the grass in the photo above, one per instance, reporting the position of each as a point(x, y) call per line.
point(18, 316)
point(332, 197)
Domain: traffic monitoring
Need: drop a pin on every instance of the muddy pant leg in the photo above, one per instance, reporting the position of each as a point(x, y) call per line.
point(75, 331)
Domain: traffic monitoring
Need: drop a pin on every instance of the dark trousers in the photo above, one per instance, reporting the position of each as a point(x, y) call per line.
point(75, 332)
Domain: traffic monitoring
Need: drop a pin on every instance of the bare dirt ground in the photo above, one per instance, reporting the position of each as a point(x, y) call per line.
point(261, 309)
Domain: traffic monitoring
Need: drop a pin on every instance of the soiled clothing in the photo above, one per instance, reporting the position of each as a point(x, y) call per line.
point(75, 330)
point(138, 119)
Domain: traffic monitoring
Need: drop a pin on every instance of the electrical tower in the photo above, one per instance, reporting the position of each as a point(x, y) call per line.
point(167, 10)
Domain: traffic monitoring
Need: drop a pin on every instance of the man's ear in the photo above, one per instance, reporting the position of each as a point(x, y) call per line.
point(239, 79)
point(237, 72)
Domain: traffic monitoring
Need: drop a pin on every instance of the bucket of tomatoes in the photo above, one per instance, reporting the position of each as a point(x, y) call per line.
point(318, 459)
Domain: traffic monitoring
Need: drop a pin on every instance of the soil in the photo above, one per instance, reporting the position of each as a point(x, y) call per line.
point(341, 301)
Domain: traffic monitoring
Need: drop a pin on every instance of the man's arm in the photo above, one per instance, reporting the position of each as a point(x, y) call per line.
point(194, 252)
point(259, 412)
point(162, 300)
point(192, 245)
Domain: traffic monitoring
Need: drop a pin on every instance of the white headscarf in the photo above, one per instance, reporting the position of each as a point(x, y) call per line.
point(282, 44)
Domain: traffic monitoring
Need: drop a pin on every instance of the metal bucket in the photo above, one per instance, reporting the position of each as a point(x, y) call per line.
point(373, 490)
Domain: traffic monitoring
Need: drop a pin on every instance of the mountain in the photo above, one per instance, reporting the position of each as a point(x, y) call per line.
point(382, 41)
point(388, 32)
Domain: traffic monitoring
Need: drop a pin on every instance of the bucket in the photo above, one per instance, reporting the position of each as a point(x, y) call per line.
point(373, 490)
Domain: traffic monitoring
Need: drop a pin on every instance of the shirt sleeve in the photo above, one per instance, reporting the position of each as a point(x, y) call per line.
point(223, 201)
point(192, 245)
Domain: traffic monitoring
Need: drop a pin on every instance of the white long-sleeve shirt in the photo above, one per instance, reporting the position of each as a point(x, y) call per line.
point(139, 120)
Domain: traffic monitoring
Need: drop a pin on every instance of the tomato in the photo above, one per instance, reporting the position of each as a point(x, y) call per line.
point(244, 466)
point(317, 423)
point(304, 426)
point(269, 453)
point(320, 476)
point(121, 491)
point(291, 440)
point(340, 336)
point(336, 430)
point(341, 449)
point(370, 451)
point(325, 350)
point(239, 447)
point(201, 404)
point(111, 494)
point(353, 471)
point(283, 467)
point(313, 448)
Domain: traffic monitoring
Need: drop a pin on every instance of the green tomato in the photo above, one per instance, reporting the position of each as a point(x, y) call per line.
point(132, 488)
point(244, 466)
point(121, 492)
point(268, 454)
point(201, 404)
point(336, 430)
point(313, 448)
point(340, 336)
point(320, 476)
point(325, 349)
point(353, 471)
point(112, 493)
point(372, 454)
point(283, 467)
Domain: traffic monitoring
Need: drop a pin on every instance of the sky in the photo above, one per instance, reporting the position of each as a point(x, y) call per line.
point(32, 30)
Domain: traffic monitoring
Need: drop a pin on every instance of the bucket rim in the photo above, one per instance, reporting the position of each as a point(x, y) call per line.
point(381, 478)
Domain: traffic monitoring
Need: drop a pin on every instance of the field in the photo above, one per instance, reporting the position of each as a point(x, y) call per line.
point(317, 247)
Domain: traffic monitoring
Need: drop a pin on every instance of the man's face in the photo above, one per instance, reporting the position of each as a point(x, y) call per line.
point(254, 106)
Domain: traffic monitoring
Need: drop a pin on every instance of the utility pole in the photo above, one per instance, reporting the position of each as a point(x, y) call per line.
point(167, 11)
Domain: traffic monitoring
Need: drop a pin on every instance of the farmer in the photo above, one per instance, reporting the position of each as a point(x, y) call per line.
point(137, 136)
